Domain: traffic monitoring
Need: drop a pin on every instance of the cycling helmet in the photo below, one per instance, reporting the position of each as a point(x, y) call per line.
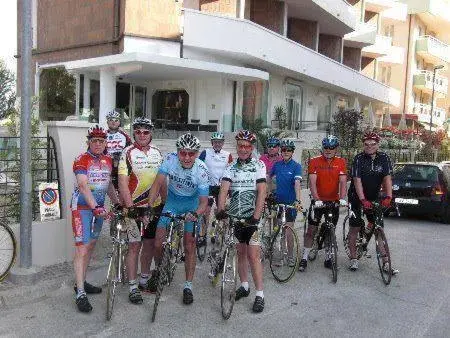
point(246, 135)
point(113, 114)
point(288, 144)
point(96, 131)
point(330, 142)
point(217, 136)
point(370, 135)
point(188, 141)
point(143, 123)
point(273, 142)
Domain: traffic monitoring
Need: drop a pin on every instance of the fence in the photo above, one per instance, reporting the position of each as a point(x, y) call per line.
point(44, 169)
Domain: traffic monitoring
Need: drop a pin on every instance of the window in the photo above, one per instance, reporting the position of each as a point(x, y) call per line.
point(294, 100)
point(171, 105)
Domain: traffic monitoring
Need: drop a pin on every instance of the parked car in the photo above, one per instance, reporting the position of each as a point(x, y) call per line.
point(422, 188)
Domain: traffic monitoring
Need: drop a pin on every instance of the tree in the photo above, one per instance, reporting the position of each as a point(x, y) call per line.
point(57, 97)
point(7, 91)
point(347, 126)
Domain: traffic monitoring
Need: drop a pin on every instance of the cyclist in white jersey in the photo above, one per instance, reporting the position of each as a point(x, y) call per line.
point(216, 160)
point(188, 188)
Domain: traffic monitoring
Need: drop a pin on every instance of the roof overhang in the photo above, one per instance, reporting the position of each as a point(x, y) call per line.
point(153, 67)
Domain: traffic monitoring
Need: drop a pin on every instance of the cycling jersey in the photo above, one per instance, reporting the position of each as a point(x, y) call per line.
point(371, 171)
point(244, 176)
point(286, 174)
point(116, 142)
point(141, 167)
point(185, 187)
point(269, 163)
point(98, 172)
point(216, 163)
point(328, 173)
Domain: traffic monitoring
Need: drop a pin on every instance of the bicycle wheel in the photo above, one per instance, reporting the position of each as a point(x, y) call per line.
point(123, 264)
point(284, 254)
point(8, 250)
point(201, 250)
point(332, 252)
point(265, 234)
point(163, 277)
point(112, 280)
point(383, 255)
point(229, 276)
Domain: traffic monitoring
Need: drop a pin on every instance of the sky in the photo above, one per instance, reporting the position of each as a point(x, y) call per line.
point(8, 27)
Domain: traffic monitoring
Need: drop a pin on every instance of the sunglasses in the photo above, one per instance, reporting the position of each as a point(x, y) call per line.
point(271, 146)
point(329, 148)
point(245, 146)
point(142, 132)
point(284, 150)
point(371, 144)
point(97, 140)
point(113, 120)
point(184, 153)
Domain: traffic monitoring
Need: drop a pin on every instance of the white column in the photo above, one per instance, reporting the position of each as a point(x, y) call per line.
point(242, 9)
point(285, 18)
point(77, 94)
point(107, 93)
point(86, 93)
point(37, 88)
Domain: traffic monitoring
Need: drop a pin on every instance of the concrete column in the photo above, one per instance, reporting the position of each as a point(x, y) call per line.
point(284, 14)
point(107, 93)
point(77, 94)
point(86, 93)
point(241, 9)
point(37, 88)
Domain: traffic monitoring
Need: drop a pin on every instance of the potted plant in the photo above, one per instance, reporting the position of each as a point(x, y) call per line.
point(280, 116)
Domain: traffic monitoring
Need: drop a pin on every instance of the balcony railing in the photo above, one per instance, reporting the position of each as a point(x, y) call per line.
point(432, 49)
point(423, 80)
point(381, 47)
point(422, 110)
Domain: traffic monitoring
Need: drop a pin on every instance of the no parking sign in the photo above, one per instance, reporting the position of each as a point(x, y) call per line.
point(49, 201)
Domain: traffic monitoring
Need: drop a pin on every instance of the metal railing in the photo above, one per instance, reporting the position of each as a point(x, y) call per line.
point(44, 169)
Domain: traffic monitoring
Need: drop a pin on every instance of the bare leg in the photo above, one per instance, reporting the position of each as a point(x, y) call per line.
point(253, 254)
point(147, 253)
point(352, 236)
point(190, 256)
point(132, 259)
point(242, 261)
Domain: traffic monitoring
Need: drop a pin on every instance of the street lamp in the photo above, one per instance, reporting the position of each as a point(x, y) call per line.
point(432, 93)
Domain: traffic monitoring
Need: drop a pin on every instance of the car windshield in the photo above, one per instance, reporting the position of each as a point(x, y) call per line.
point(414, 172)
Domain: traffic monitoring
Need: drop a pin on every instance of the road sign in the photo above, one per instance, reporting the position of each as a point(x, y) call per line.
point(49, 201)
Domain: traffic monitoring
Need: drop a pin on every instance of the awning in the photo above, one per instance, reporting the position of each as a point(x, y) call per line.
point(152, 67)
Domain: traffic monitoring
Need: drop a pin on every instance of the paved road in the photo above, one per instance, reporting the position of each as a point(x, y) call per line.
point(416, 304)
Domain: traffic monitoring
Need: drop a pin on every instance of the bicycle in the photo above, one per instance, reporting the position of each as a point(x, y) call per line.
point(381, 245)
point(266, 231)
point(284, 249)
point(8, 250)
point(327, 234)
point(117, 264)
point(215, 256)
point(170, 254)
point(201, 249)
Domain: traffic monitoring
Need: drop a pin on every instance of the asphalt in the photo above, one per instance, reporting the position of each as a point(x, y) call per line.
point(416, 304)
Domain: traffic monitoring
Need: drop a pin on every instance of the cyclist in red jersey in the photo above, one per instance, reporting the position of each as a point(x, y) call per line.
point(328, 182)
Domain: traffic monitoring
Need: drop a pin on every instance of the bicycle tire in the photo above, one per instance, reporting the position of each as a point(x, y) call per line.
point(201, 251)
point(162, 270)
point(266, 234)
point(332, 251)
point(111, 280)
point(282, 264)
point(8, 250)
point(380, 239)
point(229, 280)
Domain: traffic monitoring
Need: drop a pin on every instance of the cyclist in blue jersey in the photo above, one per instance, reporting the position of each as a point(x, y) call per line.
point(188, 190)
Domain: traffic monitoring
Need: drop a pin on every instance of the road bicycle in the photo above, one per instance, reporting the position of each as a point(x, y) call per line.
point(170, 254)
point(364, 236)
point(117, 264)
point(284, 250)
point(8, 250)
point(326, 236)
point(215, 255)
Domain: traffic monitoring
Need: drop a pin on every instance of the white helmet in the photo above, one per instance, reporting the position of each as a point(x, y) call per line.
point(112, 115)
point(142, 122)
point(188, 141)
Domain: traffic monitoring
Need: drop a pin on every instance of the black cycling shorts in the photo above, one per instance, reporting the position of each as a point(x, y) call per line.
point(150, 230)
point(357, 209)
point(247, 234)
point(213, 194)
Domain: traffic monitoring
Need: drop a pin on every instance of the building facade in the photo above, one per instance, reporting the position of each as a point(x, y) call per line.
point(211, 63)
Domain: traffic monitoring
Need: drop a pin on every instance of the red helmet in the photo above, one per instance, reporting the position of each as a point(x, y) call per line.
point(370, 135)
point(96, 131)
point(246, 135)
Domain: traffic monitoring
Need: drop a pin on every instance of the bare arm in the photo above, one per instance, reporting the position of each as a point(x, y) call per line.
point(163, 191)
point(260, 199)
point(272, 183)
point(298, 190)
point(313, 187)
point(224, 188)
point(113, 194)
point(202, 205)
point(359, 188)
point(387, 185)
point(158, 185)
point(342, 186)
point(82, 181)
point(125, 191)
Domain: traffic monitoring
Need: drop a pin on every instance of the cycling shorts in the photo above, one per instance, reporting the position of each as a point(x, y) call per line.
point(291, 215)
point(247, 234)
point(356, 220)
point(134, 231)
point(213, 194)
point(178, 207)
point(84, 227)
point(314, 216)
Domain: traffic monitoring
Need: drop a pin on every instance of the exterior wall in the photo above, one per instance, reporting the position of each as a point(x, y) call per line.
point(331, 46)
point(352, 58)
point(252, 105)
point(227, 7)
point(304, 32)
point(269, 14)
point(157, 18)
point(368, 66)
point(192, 4)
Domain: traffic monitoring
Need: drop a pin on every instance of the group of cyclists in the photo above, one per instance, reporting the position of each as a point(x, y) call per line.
point(138, 178)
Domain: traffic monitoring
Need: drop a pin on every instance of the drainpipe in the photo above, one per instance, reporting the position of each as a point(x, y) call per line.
point(116, 31)
point(407, 63)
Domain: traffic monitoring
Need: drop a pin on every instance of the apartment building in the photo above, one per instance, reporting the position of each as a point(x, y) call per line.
point(212, 62)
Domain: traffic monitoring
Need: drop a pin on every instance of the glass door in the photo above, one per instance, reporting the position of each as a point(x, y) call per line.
point(294, 97)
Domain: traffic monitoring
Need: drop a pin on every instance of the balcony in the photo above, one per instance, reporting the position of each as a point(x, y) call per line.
point(433, 50)
point(395, 56)
point(378, 6)
point(364, 35)
point(423, 80)
point(242, 42)
point(434, 13)
point(422, 111)
point(381, 47)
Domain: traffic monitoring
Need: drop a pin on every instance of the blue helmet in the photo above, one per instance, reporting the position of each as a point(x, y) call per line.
point(273, 142)
point(330, 142)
